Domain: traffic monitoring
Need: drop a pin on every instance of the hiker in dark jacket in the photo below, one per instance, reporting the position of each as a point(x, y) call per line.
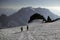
point(21, 29)
point(27, 27)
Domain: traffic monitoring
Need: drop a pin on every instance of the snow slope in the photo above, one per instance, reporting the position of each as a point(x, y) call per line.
point(37, 31)
point(23, 15)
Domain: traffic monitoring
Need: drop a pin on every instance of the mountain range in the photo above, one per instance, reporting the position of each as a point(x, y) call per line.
point(23, 15)
point(7, 11)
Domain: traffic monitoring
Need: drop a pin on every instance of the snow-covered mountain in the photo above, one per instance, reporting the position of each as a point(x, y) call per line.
point(23, 15)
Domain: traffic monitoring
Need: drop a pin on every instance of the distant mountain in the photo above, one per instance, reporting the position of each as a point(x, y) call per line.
point(7, 11)
point(23, 15)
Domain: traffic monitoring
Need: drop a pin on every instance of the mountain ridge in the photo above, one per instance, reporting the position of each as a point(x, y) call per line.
point(23, 15)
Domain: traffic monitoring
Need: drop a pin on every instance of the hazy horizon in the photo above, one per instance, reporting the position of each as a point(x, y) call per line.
point(52, 5)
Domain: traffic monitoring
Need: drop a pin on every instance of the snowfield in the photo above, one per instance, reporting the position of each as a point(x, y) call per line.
point(37, 31)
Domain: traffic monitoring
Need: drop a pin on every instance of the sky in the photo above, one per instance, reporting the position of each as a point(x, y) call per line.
point(53, 5)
